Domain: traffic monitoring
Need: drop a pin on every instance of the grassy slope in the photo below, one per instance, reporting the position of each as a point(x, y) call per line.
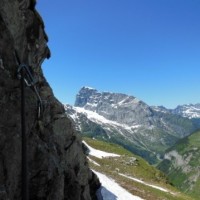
point(187, 146)
point(139, 169)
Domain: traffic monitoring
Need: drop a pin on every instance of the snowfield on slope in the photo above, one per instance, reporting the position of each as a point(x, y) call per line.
point(139, 181)
point(98, 153)
point(110, 190)
point(95, 117)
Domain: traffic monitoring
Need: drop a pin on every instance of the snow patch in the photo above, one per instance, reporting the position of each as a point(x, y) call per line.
point(98, 153)
point(110, 190)
point(91, 105)
point(89, 88)
point(92, 161)
point(192, 113)
point(73, 116)
point(126, 102)
point(139, 181)
point(122, 102)
point(189, 110)
point(95, 117)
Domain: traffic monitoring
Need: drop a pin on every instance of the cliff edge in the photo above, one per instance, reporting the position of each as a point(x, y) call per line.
point(58, 168)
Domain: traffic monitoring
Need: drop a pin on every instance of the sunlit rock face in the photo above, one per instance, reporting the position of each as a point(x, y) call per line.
point(58, 167)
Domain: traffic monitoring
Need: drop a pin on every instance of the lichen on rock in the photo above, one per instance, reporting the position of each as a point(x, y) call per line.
point(58, 168)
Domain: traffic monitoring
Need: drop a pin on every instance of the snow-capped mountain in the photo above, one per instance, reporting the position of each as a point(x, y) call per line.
point(188, 110)
point(117, 107)
point(128, 121)
point(191, 111)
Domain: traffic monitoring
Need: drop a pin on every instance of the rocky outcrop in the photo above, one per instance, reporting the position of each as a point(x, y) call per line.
point(58, 168)
point(181, 164)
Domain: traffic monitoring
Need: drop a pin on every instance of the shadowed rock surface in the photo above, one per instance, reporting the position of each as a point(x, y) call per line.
point(58, 168)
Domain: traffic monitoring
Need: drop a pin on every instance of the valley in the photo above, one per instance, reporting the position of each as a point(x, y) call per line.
point(130, 172)
point(159, 135)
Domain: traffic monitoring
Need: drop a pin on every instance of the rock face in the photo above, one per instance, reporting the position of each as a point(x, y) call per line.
point(123, 119)
point(58, 168)
point(181, 164)
point(114, 106)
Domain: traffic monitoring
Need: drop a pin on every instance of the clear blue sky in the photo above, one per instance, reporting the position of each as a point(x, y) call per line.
point(146, 48)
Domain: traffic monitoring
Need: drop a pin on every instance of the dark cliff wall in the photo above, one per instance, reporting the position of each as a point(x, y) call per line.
point(57, 165)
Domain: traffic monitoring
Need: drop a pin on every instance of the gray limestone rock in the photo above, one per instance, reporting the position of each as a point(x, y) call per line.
point(114, 106)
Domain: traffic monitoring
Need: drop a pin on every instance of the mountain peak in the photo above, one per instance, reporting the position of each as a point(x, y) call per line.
point(112, 106)
point(87, 88)
point(88, 96)
point(188, 110)
point(84, 95)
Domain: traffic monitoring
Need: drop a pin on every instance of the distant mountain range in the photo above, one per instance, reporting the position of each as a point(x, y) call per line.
point(125, 120)
point(190, 111)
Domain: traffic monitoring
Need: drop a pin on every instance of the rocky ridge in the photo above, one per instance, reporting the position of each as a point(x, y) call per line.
point(188, 110)
point(191, 111)
point(58, 168)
